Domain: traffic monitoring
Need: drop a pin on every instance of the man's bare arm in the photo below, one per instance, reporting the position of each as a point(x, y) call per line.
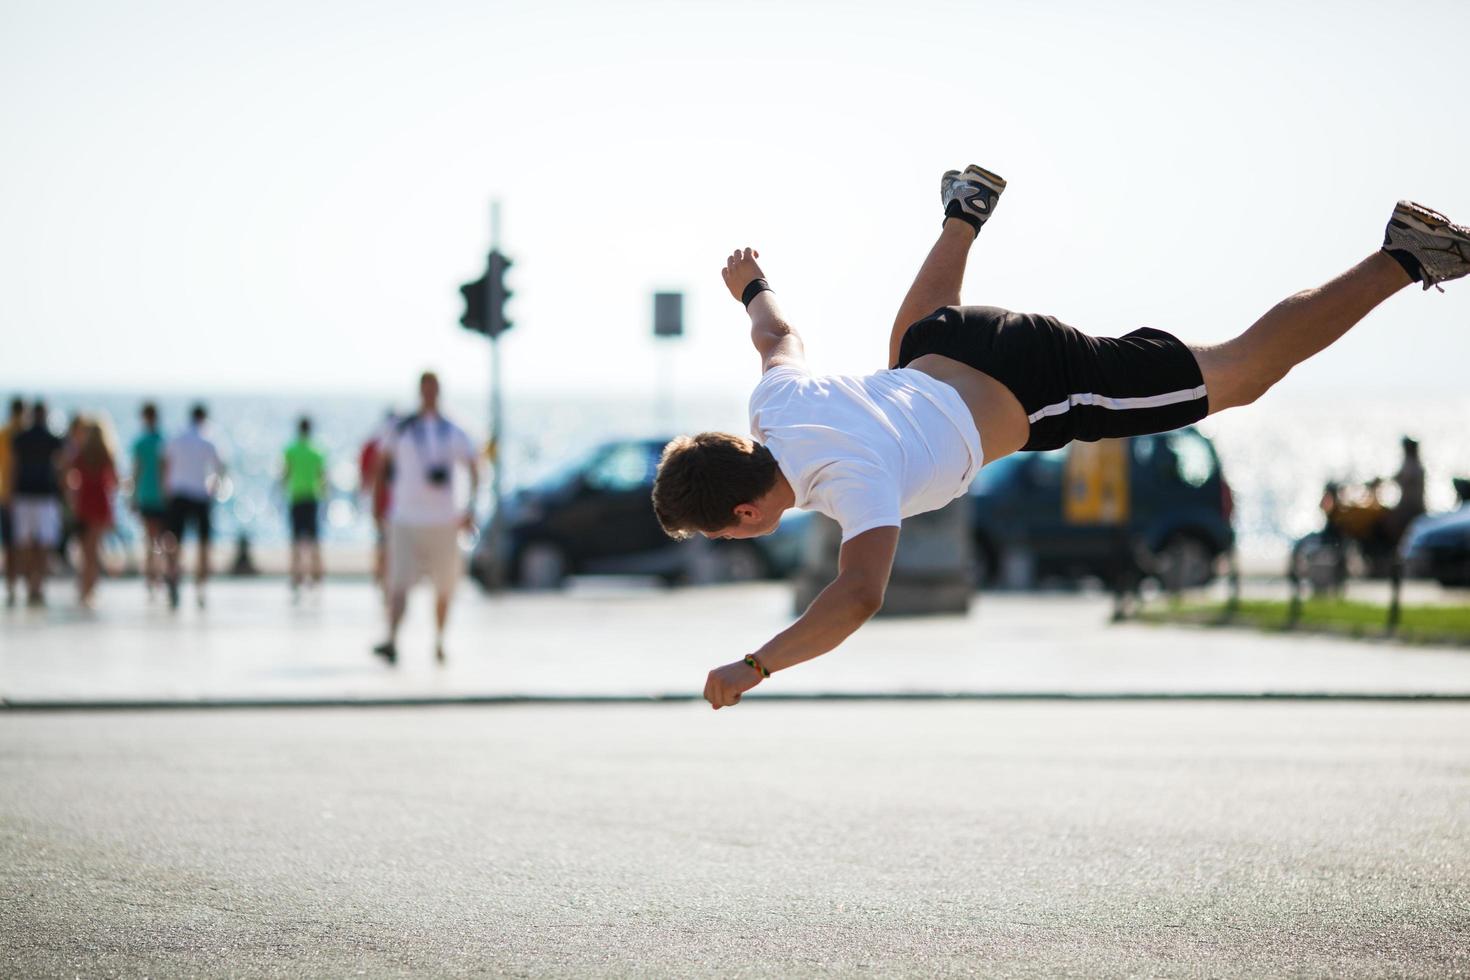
point(473, 465)
point(774, 338)
point(377, 483)
point(863, 567)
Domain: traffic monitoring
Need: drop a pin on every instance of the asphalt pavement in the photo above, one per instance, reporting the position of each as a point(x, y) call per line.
point(773, 839)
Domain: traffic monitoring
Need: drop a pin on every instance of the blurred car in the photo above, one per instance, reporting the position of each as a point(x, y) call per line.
point(1437, 546)
point(1178, 523)
point(595, 516)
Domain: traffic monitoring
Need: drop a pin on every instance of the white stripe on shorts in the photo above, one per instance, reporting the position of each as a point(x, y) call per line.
point(1118, 404)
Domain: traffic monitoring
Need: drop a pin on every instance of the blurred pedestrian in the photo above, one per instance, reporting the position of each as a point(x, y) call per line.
point(148, 498)
point(91, 479)
point(14, 424)
point(36, 505)
point(71, 444)
point(1410, 480)
point(424, 519)
point(191, 472)
point(305, 480)
point(378, 493)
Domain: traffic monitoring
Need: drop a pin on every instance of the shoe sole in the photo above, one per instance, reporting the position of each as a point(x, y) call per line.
point(995, 182)
point(1427, 221)
point(971, 174)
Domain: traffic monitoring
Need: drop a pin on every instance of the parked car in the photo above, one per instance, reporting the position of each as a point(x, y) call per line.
point(595, 516)
point(1178, 524)
point(1437, 546)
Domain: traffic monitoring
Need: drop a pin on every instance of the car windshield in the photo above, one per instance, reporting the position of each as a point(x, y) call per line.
point(561, 475)
point(624, 466)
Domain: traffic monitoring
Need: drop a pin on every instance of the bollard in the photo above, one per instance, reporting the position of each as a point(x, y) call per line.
point(1395, 582)
point(1294, 579)
point(244, 564)
point(1232, 599)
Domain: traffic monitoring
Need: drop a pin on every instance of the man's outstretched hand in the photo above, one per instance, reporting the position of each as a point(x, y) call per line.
point(727, 683)
point(739, 270)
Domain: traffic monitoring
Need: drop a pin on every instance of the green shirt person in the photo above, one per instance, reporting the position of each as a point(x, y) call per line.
point(306, 470)
point(305, 480)
point(148, 474)
point(149, 498)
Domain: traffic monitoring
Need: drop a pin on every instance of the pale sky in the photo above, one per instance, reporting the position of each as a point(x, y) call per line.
point(288, 194)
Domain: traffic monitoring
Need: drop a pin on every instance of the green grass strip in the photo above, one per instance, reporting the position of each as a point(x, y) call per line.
point(1417, 624)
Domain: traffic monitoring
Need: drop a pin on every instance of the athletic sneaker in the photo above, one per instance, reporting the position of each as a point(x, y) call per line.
point(387, 651)
point(971, 194)
point(1426, 241)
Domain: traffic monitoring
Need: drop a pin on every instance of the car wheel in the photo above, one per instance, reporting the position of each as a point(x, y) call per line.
point(541, 565)
point(1184, 562)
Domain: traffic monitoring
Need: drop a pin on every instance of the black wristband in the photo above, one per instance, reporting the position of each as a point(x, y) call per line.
point(754, 289)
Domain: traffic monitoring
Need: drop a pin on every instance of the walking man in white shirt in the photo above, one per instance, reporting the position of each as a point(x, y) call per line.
point(424, 517)
point(966, 385)
point(191, 473)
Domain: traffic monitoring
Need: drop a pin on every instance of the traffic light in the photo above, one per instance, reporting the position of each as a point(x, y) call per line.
point(474, 305)
point(496, 295)
point(485, 299)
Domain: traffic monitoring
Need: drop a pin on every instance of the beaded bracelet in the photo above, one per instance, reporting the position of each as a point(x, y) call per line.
point(751, 661)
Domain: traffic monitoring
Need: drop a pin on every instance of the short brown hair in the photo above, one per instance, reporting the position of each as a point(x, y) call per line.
point(702, 479)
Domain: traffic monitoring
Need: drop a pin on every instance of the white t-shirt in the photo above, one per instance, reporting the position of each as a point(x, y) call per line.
point(419, 444)
point(866, 451)
point(192, 461)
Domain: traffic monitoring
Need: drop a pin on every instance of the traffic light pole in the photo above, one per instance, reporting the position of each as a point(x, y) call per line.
point(496, 528)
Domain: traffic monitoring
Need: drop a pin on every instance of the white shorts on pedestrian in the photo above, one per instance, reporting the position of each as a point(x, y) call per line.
point(37, 521)
point(415, 552)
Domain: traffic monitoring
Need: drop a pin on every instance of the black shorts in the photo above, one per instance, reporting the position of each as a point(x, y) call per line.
point(303, 520)
point(152, 512)
point(7, 530)
point(1072, 386)
point(183, 511)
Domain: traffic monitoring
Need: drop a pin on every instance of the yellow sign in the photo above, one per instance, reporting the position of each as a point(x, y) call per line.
point(1095, 482)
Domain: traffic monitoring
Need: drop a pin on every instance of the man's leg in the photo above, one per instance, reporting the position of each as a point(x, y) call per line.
point(36, 556)
point(380, 555)
point(938, 282)
point(397, 605)
point(152, 552)
point(1239, 371)
point(12, 557)
point(969, 198)
point(173, 548)
point(296, 562)
point(446, 570)
point(441, 619)
point(402, 571)
point(201, 571)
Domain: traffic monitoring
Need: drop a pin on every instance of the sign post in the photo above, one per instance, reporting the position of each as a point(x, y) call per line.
point(484, 301)
point(668, 324)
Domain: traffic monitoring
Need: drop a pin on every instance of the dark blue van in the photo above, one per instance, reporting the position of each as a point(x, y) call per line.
point(1177, 529)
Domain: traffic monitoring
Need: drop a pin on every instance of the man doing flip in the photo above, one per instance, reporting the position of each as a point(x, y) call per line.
point(967, 385)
